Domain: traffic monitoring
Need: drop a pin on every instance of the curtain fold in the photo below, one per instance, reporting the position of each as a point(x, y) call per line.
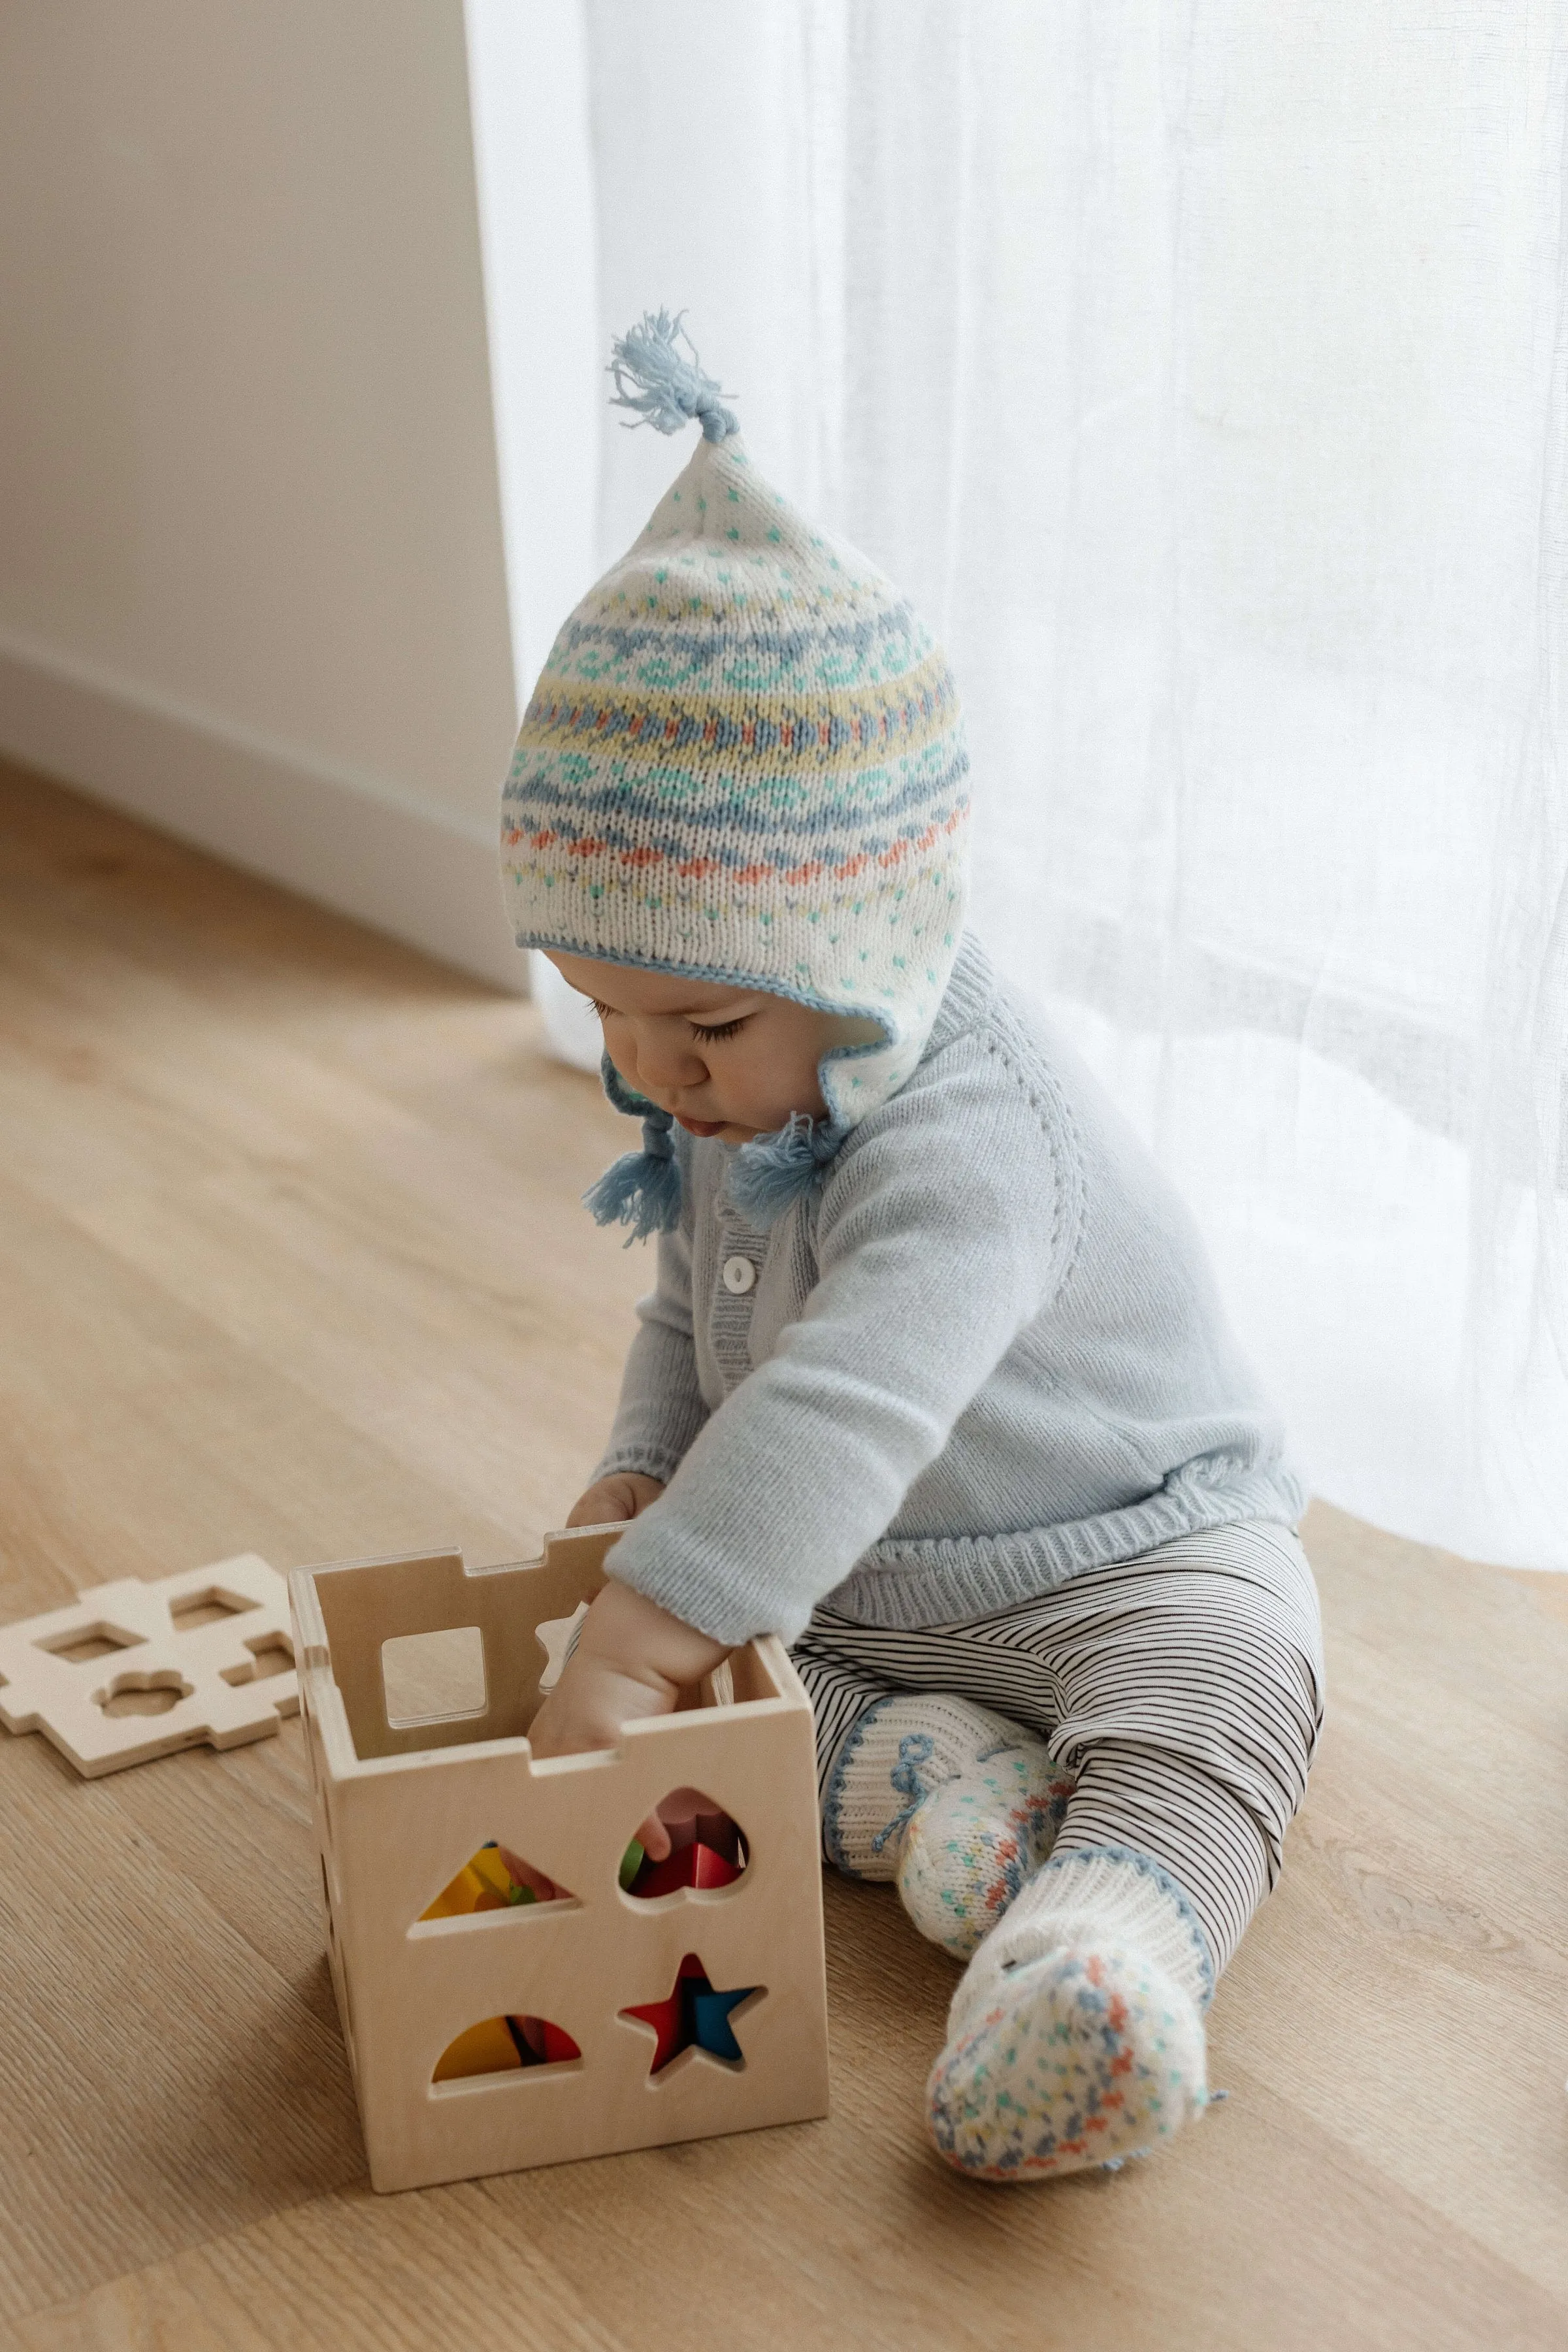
point(1201, 372)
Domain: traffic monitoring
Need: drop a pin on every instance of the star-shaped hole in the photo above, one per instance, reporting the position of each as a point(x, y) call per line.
point(556, 1637)
point(695, 2016)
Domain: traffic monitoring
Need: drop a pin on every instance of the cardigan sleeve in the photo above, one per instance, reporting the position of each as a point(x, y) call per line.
point(661, 1406)
point(941, 1232)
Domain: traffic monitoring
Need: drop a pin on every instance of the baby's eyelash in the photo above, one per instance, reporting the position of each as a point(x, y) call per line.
point(599, 1010)
point(725, 1029)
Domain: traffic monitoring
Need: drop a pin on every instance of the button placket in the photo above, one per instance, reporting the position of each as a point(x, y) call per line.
point(734, 1295)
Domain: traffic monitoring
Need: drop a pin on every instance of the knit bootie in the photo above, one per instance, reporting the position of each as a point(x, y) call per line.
point(974, 1842)
point(892, 1763)
point(1076, 2037)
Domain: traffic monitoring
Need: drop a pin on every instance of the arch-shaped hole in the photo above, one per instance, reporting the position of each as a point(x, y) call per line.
point(505, 2046)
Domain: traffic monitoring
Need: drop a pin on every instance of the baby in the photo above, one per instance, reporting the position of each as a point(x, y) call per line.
point(933, 1381)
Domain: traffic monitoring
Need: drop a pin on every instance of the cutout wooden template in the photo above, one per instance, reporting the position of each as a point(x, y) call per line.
point(427, 1988)
point(131, 1671)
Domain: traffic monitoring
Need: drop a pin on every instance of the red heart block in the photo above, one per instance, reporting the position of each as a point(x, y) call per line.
point(689, 1865)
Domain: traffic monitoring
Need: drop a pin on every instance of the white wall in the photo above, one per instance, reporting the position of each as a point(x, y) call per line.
point(528, 65)
point(252, 580)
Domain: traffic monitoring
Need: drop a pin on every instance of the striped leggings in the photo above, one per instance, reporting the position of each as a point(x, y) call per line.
point(1184, 1687)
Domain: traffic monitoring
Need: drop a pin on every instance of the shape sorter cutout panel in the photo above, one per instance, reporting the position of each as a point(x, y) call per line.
point(92, 1677)
point(440, 1989)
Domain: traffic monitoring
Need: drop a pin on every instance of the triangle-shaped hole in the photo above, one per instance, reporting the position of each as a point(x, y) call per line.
point(505, 2046)
point(708, 1850)
point(494, 1879)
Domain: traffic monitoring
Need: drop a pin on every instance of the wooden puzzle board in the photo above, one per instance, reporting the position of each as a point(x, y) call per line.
point(218, 1638)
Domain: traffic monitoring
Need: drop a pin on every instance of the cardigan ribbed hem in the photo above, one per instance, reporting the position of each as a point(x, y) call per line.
point(908, 1586)
point(642, 1461)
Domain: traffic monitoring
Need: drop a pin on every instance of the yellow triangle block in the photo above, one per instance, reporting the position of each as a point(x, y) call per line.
point(458, 1896)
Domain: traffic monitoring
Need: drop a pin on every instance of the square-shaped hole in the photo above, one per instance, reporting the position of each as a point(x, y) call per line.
point(434, 1677)
point(195, 1611)
point(270, 1653)
point(91, 1642)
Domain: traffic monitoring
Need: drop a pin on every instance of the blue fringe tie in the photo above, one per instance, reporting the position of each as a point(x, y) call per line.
point(768, 1176)
point(667, 388)
point(642, 1189)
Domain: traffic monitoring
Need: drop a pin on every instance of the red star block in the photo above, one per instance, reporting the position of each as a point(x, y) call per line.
point(693, 2017)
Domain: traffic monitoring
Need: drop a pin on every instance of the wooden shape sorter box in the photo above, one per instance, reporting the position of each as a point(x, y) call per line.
point(210, 1648)
point(403, 1803)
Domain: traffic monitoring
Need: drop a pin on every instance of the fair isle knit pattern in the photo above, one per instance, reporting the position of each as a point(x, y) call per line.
point(744, 759)
point(891, 1762)
point(1082, 2059)
point(973, 1845)
point(1076, 2037)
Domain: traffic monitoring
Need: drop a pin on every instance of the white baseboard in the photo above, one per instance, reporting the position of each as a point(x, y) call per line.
point(264, 805)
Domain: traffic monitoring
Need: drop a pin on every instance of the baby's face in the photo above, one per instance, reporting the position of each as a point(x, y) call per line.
point(726, 1061)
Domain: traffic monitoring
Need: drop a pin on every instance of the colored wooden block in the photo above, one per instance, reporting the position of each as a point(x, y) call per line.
point(487, 1882)
point(487, 2048)
point(208, 1636)
point(710, 2027)
point(671, 2018)
point(543, 2042)
point(689, 1865)
point(692, 1819)
point(458, 1899)
point(398, 1802)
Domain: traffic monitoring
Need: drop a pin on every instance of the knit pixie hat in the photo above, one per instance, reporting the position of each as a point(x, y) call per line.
point(745, 761)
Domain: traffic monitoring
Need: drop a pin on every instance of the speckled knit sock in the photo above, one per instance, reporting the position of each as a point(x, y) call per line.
point(891, 1762)
point(976, 1841)
point(1076, 2036)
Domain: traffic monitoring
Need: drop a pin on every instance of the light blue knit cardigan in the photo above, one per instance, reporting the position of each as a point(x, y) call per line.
point(982, 1353)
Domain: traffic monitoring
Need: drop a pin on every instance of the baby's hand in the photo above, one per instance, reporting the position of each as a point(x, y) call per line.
point(620, 1497)
point(633, 1659)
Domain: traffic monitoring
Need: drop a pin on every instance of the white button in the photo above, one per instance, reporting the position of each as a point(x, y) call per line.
point(739, 1275)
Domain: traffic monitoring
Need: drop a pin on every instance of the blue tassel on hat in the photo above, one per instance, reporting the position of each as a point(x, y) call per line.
point(769, 1175)
point(669, 388)
point(642, 1189)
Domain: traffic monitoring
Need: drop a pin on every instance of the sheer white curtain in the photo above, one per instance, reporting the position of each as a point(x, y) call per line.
point(1200, 368)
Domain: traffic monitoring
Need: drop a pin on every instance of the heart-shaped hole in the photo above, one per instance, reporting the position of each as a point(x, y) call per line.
point(707, 1850)
point(505, 2046)
point(494, 1879)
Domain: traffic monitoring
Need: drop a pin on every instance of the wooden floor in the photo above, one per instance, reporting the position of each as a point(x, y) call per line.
point(291, 1261)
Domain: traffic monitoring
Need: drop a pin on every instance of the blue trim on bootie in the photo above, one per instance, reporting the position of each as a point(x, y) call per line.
point(1148, 1868)
point(832, 1794)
